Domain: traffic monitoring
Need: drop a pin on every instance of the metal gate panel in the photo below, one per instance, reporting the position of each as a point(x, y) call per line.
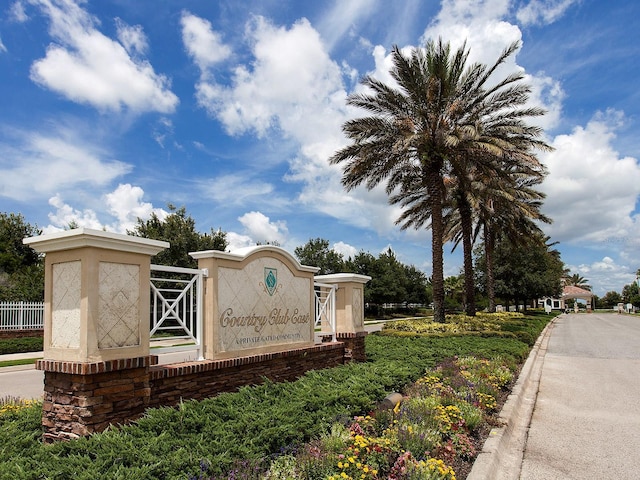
point(176, 304)
point(326, 307)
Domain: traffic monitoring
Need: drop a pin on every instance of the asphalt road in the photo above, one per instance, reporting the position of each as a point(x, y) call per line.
point(586, 420)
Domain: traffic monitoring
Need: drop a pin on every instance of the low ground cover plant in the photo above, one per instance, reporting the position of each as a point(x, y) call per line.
point(264, 431)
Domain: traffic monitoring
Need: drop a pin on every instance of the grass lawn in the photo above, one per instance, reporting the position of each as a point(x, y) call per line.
point(23, 361)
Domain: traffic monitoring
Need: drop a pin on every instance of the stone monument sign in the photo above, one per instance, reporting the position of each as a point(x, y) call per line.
point(258, 299)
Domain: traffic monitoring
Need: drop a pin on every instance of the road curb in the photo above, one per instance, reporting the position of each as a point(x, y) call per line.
point(502, 453)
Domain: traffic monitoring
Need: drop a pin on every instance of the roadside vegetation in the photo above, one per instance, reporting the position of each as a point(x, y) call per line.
point(323, 425)
point(20, 345)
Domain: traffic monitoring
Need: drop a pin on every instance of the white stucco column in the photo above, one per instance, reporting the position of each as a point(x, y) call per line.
point(349, 300)
point(96, 294)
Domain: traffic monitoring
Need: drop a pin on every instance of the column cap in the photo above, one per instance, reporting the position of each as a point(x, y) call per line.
point(241, 254)
point(85, 237)
point(342, 278)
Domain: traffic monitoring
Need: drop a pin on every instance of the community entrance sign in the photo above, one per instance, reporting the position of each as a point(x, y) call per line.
point(258, 317)
point(261, 298)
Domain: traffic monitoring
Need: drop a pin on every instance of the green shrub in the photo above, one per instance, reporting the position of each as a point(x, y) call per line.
point(211, 437)
point(20, 345)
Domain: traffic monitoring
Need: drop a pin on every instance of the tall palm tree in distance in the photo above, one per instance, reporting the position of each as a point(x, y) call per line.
point(510, 211)
point(439, 114)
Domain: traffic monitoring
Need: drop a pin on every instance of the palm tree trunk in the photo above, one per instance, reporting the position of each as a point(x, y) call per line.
point(435, 188)
point(489, 274)
point(466, 223)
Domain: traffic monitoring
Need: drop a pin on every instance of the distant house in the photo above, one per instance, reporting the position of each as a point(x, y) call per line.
point(568, 292)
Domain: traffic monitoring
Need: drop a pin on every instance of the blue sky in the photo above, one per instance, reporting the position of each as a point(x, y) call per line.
point(113, 109)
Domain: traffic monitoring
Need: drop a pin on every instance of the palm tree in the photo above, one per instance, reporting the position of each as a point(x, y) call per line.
point(465, 134)
point(577, 280)
point(439, 119)
point(440, 115)
point(508, 210)
point(412, 130)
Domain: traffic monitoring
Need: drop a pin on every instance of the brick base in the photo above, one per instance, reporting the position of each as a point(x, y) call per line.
point(353, 345)
point(199, 380)
point(85, 398)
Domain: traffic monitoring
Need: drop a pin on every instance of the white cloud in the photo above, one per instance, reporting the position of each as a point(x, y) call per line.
point(2, 46)
point(124, 205)
point(87, 67)
point(132, 38)
point(17, 12)
point(162, 130)
point(292, 84)
point(342, 17)
point(606, 274)
point(238, 189)
point(39, 164)
point(295, 88)
point(346, 250)
point(238, 240)
point(202, 43)
point(591, 190)
point(65, 216)
point(543, 12)
point(261, 229)
point(479, 23)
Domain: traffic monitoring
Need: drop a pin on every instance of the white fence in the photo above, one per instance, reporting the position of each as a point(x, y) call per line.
point(21, 315)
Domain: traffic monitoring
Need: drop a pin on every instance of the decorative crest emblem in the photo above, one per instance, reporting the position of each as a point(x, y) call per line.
point(270, 280)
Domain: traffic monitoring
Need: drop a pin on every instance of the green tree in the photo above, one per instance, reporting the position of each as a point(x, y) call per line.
point(454, 292)
point(316, 253)
point(610, 299)
point(391, 280)
point(417, 286)
point(388, 281)
point(510, 209)
point(179, 230)
point(527, 271)
point(21, 267)
point(440, 113)
point(631, 294)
